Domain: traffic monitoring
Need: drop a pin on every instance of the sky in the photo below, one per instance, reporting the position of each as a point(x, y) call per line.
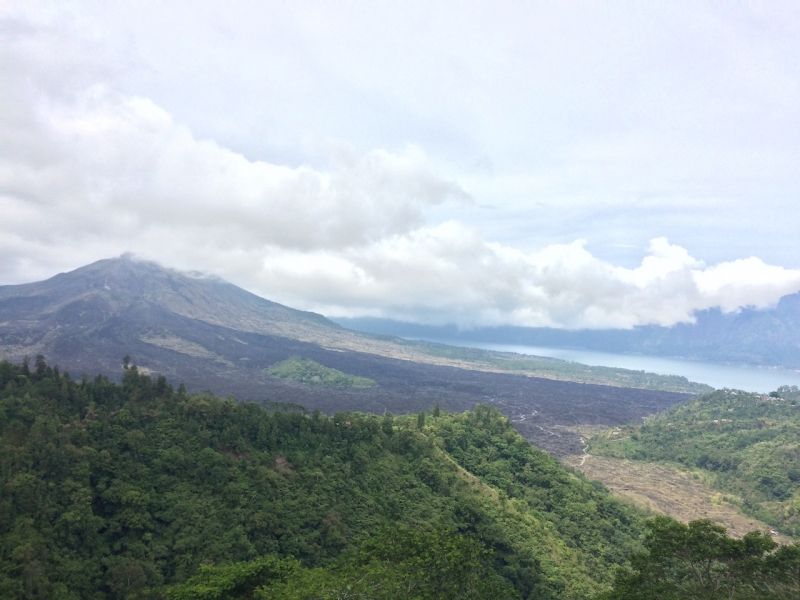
point(586, 164)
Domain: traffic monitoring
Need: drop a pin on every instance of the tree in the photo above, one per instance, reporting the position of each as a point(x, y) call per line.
point(699, 561)
point(387, 424)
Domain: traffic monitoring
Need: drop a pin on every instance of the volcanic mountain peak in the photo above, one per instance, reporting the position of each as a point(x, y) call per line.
point(117, 285)
point(124, 305)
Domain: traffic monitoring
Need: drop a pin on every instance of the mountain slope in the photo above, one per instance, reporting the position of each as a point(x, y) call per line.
point(82, 299)
point(86, 306)
point(212, 335)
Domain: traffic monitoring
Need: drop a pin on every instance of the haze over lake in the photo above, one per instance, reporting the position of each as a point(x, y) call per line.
point(743, 377)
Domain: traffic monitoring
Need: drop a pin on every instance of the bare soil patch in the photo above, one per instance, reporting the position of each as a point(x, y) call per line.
point(668, 490)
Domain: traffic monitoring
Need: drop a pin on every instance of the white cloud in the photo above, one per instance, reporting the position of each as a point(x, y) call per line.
point(123, 157)
point(95, 167)
point(449, 274)
point(749, 281)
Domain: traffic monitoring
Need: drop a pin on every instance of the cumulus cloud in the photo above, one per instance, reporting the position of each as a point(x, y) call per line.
point(92, 171)
point(748, 281)
point(449, 274)
point(124, 161)
point(89, 166)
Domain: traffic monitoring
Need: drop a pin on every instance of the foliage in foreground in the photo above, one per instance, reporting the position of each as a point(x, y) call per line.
point(699, 561)
point(135, 490)
point(401, 563)
point(128, 490)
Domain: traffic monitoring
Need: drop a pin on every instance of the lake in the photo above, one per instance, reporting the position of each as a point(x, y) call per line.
point(749, 378)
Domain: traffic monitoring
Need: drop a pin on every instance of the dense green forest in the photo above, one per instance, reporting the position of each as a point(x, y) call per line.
point(747, 445)
point(699, 561)
point(138, 490)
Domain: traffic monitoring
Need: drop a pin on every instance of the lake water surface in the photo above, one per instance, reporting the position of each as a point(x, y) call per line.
point(751, 379)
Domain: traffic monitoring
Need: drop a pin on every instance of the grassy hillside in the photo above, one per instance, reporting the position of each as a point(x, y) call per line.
point(135, 490)
point(307, 371)
point(746, 445)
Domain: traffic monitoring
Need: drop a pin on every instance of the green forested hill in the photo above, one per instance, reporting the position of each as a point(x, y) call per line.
point(135, 490)
point(122, 490)
point(747, 444)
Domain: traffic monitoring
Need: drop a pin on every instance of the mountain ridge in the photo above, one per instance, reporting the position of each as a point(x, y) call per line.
point(761, 337)
point(119, 280)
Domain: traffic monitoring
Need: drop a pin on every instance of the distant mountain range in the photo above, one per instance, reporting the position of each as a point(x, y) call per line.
point(769, 337)
point(212, 335)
